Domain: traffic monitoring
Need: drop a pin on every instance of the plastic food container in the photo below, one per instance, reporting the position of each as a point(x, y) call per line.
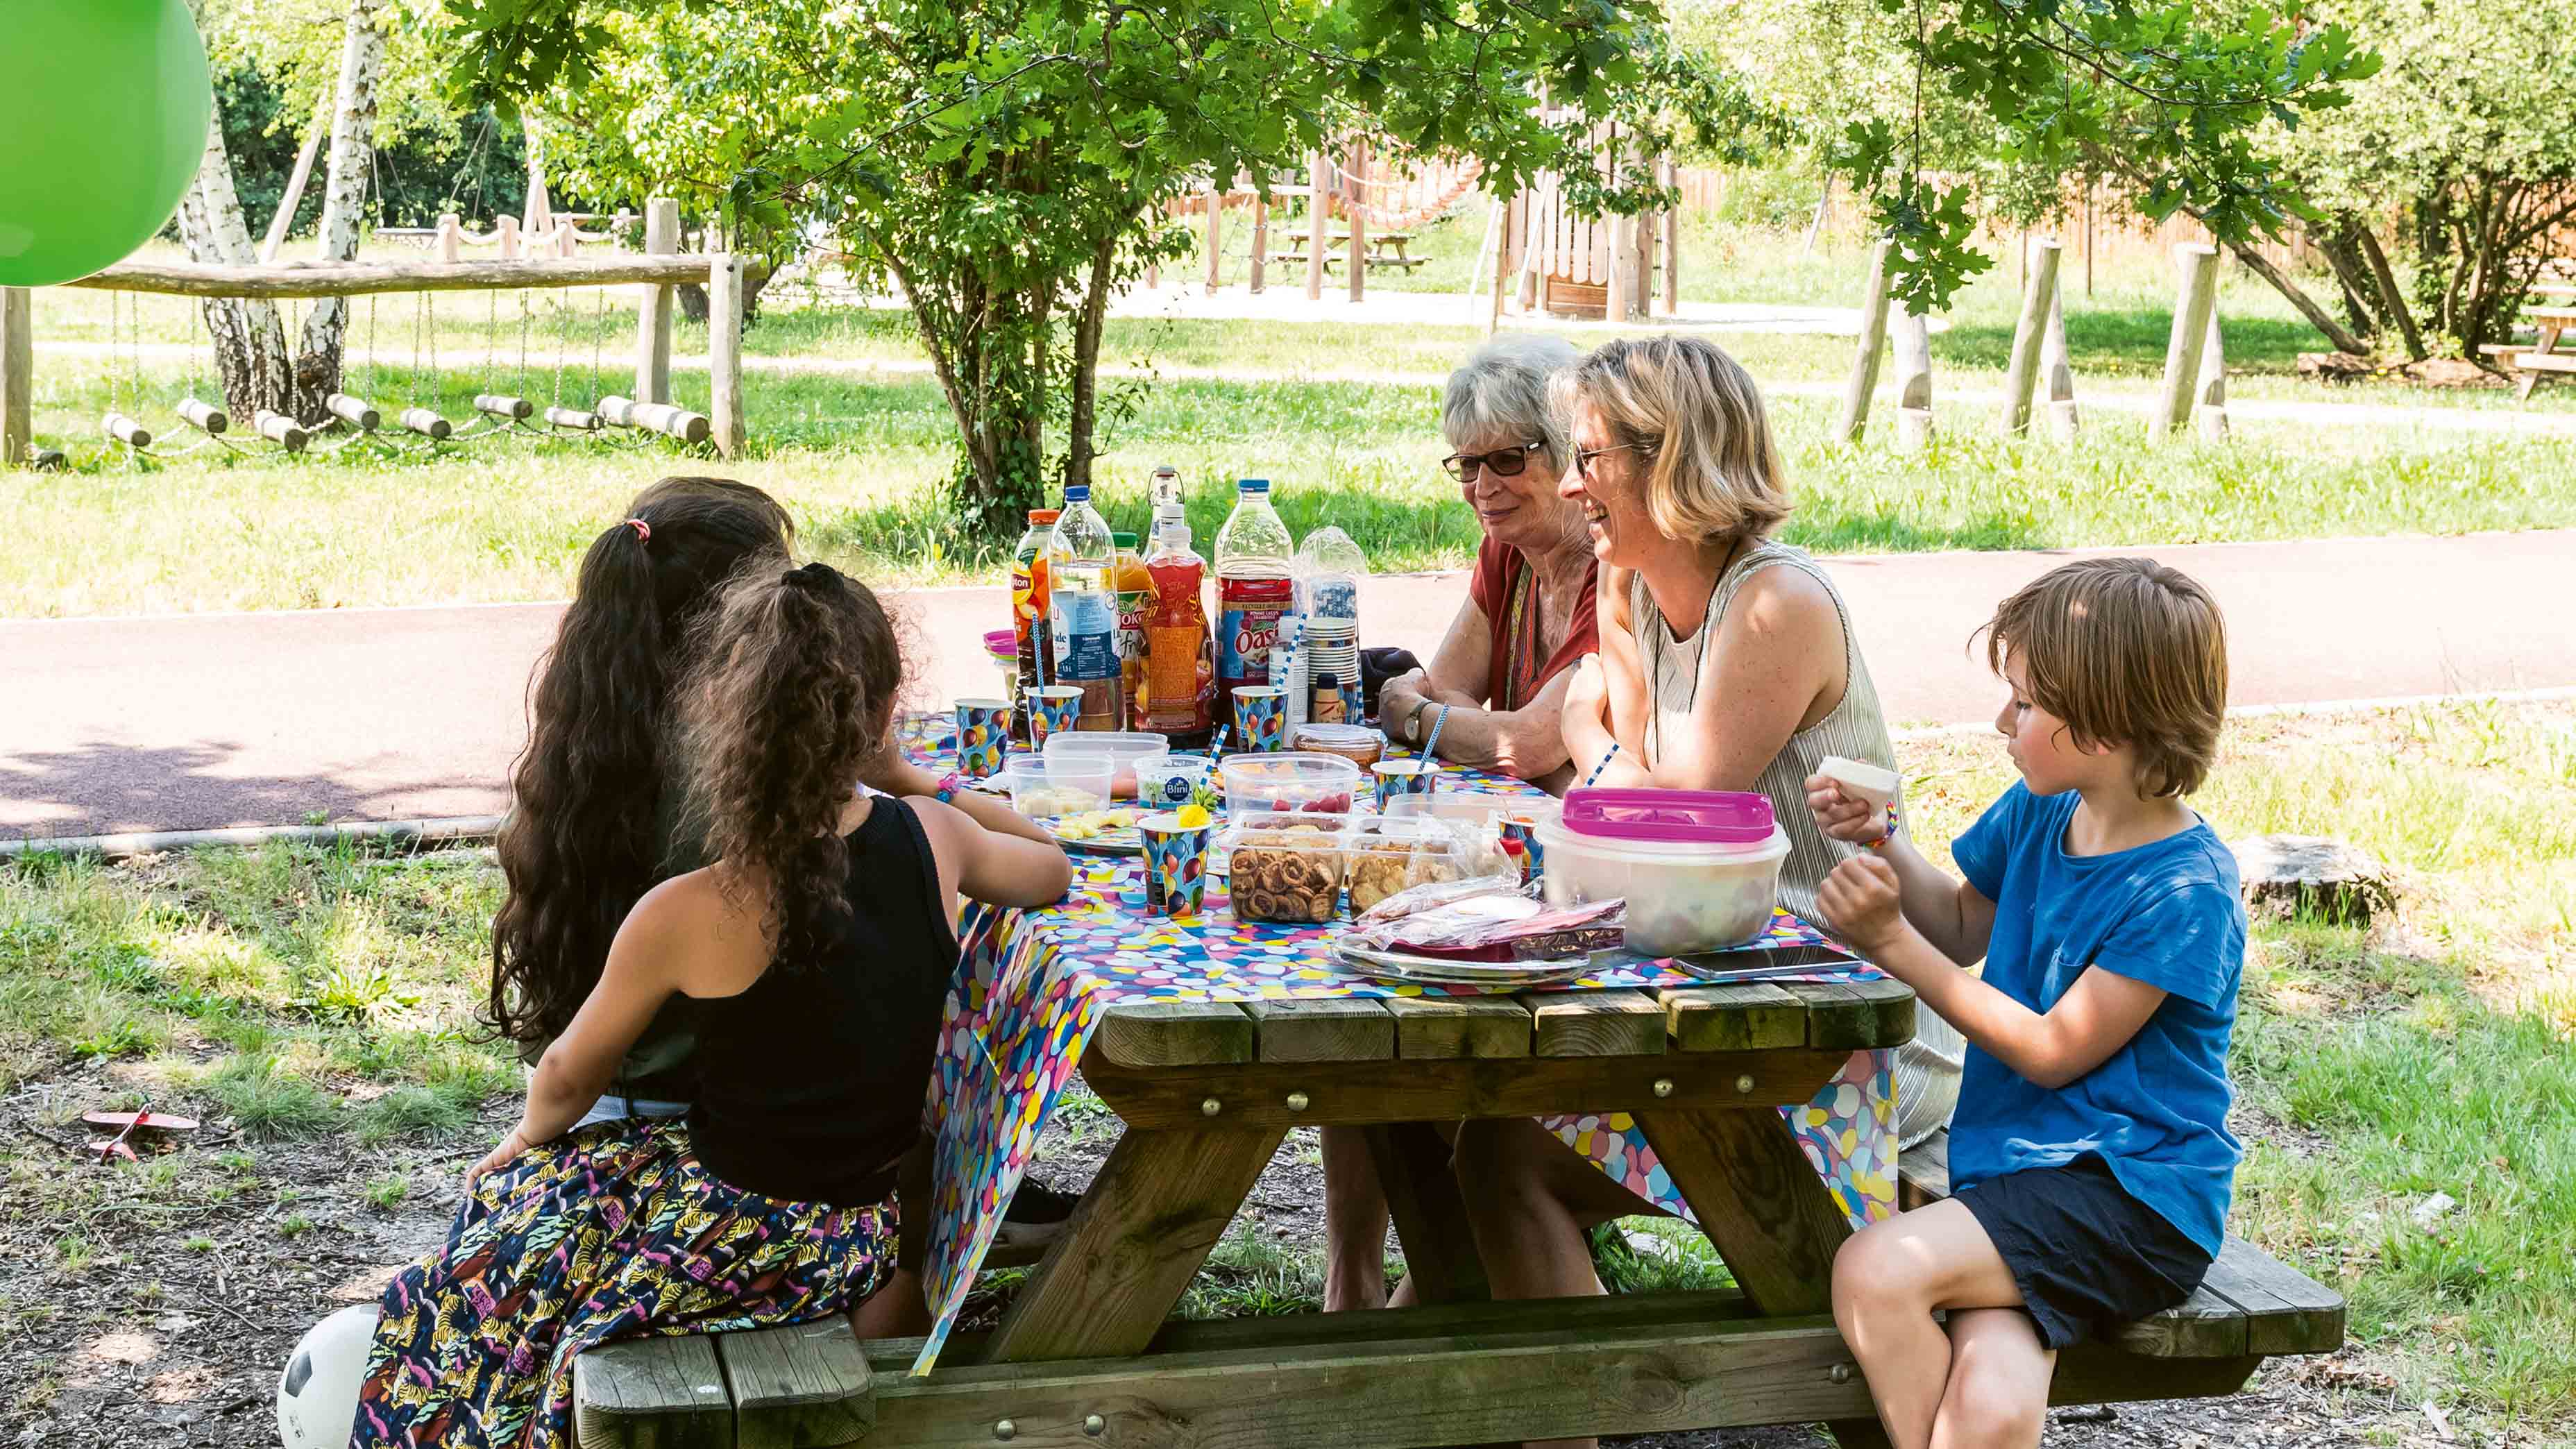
point(1168, 782)
point(1003, 648)
point(1286, 866)
point(1052, 784)
point(1255, 783)
point(1358, 744)
point(1700, 869)
point(1388, 855)
point(1474, 809)
point(1121, 748)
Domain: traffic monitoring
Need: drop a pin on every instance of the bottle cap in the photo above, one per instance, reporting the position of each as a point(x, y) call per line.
point(1328, 681)
point(1044, 515)
point(1253, 485)
point(1077, 493)
point(1123, 540)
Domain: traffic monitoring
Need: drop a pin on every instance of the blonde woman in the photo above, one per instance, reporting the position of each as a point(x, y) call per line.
point(1727, 663)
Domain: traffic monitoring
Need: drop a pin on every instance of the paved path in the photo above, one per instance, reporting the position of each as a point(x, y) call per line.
point(205, 721)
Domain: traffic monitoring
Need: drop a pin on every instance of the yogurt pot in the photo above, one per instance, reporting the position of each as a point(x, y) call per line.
point(1168, 782)
point(1700, 869)
point(1873, 785)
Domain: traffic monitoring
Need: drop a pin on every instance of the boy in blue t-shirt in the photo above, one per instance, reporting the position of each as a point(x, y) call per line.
point(2090, 1154)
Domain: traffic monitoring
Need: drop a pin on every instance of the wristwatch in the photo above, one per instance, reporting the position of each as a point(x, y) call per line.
point(1413, 721)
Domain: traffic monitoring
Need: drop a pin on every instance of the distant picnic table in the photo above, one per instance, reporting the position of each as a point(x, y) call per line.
point(1385, 249)
point(2541, 359)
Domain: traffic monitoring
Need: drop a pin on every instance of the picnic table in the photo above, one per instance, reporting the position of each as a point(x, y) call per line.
point(2542, 358)
point(1385, 249)
point(1212, 1041)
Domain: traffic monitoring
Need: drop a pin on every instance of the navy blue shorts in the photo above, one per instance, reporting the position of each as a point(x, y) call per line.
point(2087, 1256)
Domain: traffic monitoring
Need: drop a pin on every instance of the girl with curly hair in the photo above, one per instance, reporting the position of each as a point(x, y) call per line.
point(810, 961)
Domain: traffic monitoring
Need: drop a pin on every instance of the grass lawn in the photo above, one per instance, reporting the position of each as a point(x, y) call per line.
point(315, 1007)
point(1343, 417)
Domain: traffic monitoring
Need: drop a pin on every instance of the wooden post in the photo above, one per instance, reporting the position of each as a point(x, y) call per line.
point(507, 228)
point(1537, 210)
point(1644, 303)
point(451, 237)
point(17, 374)
point(1672, 245)
point(1357, 258)
point(2195, 294)
point(653, 334)
point(1505, 215)
point(2211, 415)
point(1913, 381)
point(1260, 239)
point(2021, 374)
point(724, 352)
point(1865, 355)
point(1216, 212)
point(2059, 368)
point(1318, 227)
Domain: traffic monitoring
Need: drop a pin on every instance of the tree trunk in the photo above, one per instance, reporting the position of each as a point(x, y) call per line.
point(2324, 320)
point(2392, 301)
point(249, 342)
point(344, 200)
point(1087, 328)
point(2344, 256)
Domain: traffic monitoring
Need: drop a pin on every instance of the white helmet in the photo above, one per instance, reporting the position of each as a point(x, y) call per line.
point(317, 1396)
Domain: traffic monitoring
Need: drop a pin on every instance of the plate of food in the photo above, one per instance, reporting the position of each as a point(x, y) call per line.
point(1097, 832)
point(1444, 971)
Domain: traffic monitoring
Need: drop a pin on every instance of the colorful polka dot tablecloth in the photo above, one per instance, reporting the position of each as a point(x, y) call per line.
point(1032, 986)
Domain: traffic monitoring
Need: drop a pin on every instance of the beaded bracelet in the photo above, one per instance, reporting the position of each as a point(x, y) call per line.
point(1431, 746)
point(1607, 756)
point(945, 792)
point(1889, 838)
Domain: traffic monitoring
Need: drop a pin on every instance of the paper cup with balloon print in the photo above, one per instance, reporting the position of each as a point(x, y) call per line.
point(1261, 717)
point(983, 736)
point(1176, 857)
point(1399, 778)
point(1053, 709)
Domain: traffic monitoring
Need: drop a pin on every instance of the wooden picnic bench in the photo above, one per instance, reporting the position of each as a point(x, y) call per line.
point(1385, 249)
point(1087, 1355)
point(2541, 359)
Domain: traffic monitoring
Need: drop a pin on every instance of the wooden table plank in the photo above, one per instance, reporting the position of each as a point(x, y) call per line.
point(1740, 1017)
point(1138, 1236)
point(1853, 1015)
point(653, 1393)
point(798, 1387)
point(1268, 1094)
point(1175, 1033)
point(2286, 1310)
point(1433, 1028)
point(1344, 1029)
point(1596, 1023)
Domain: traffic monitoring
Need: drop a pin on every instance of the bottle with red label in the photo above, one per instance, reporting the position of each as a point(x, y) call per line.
point(1253, 589)
point(1180, 666)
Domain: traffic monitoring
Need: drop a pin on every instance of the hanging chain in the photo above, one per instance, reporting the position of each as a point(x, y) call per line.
point(598, 341)
point(562, 333)
point(524, 311)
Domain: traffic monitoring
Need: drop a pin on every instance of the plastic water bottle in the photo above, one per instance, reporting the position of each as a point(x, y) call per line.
point(1253, 588)
point(1180, 677)
point(1082, 609)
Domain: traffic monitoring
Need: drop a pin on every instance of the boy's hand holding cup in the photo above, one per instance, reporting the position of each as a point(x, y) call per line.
point(1854, 801)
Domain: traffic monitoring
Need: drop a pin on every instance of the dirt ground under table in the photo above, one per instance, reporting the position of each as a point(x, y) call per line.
point(156, 1305)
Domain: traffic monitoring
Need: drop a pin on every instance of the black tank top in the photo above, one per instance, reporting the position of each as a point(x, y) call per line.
point(811, 1080)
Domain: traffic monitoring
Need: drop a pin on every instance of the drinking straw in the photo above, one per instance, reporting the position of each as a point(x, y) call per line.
point(1216, 746)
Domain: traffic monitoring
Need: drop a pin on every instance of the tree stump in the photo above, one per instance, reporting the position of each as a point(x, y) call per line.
point(2289, 874)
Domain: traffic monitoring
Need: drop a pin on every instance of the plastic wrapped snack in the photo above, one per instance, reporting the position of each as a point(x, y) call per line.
point(1414, 900)
point(1499, 926)
point(1286, 868)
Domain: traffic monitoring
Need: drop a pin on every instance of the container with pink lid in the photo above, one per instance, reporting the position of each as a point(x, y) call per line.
point(1700, 869)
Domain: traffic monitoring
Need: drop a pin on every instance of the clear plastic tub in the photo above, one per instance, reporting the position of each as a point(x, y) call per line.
point(1358, 744)
point(1700, 870)
point(1058, 784)
point(1286, 866)
point(1388, 855)
point(1255, 783)
point(1123, 749)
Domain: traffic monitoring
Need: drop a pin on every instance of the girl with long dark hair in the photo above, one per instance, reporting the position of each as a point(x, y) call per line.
point(810, 961)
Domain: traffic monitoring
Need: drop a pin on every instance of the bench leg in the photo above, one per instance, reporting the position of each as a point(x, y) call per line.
point(1412, 1160)
point(1161, 1202)
point(1764, 1210)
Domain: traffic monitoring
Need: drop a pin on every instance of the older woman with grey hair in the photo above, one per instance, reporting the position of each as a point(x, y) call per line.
point(1493, 694)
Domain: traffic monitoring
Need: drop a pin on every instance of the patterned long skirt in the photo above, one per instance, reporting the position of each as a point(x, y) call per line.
point(612, 1232)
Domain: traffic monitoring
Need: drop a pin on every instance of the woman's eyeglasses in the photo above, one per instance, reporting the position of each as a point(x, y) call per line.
point(1502, 462)
point(1583, 457)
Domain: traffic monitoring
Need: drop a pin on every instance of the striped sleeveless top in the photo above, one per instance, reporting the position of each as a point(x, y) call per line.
point(1927, 1068)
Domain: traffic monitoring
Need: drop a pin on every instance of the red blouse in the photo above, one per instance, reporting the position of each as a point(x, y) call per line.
point(1505, 586)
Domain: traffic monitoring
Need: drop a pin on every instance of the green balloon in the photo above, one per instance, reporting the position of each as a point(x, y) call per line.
point(103, 118)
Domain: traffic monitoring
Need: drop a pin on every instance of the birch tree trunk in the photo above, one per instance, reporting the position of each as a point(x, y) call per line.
point(249, 342)
point(344, 199)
